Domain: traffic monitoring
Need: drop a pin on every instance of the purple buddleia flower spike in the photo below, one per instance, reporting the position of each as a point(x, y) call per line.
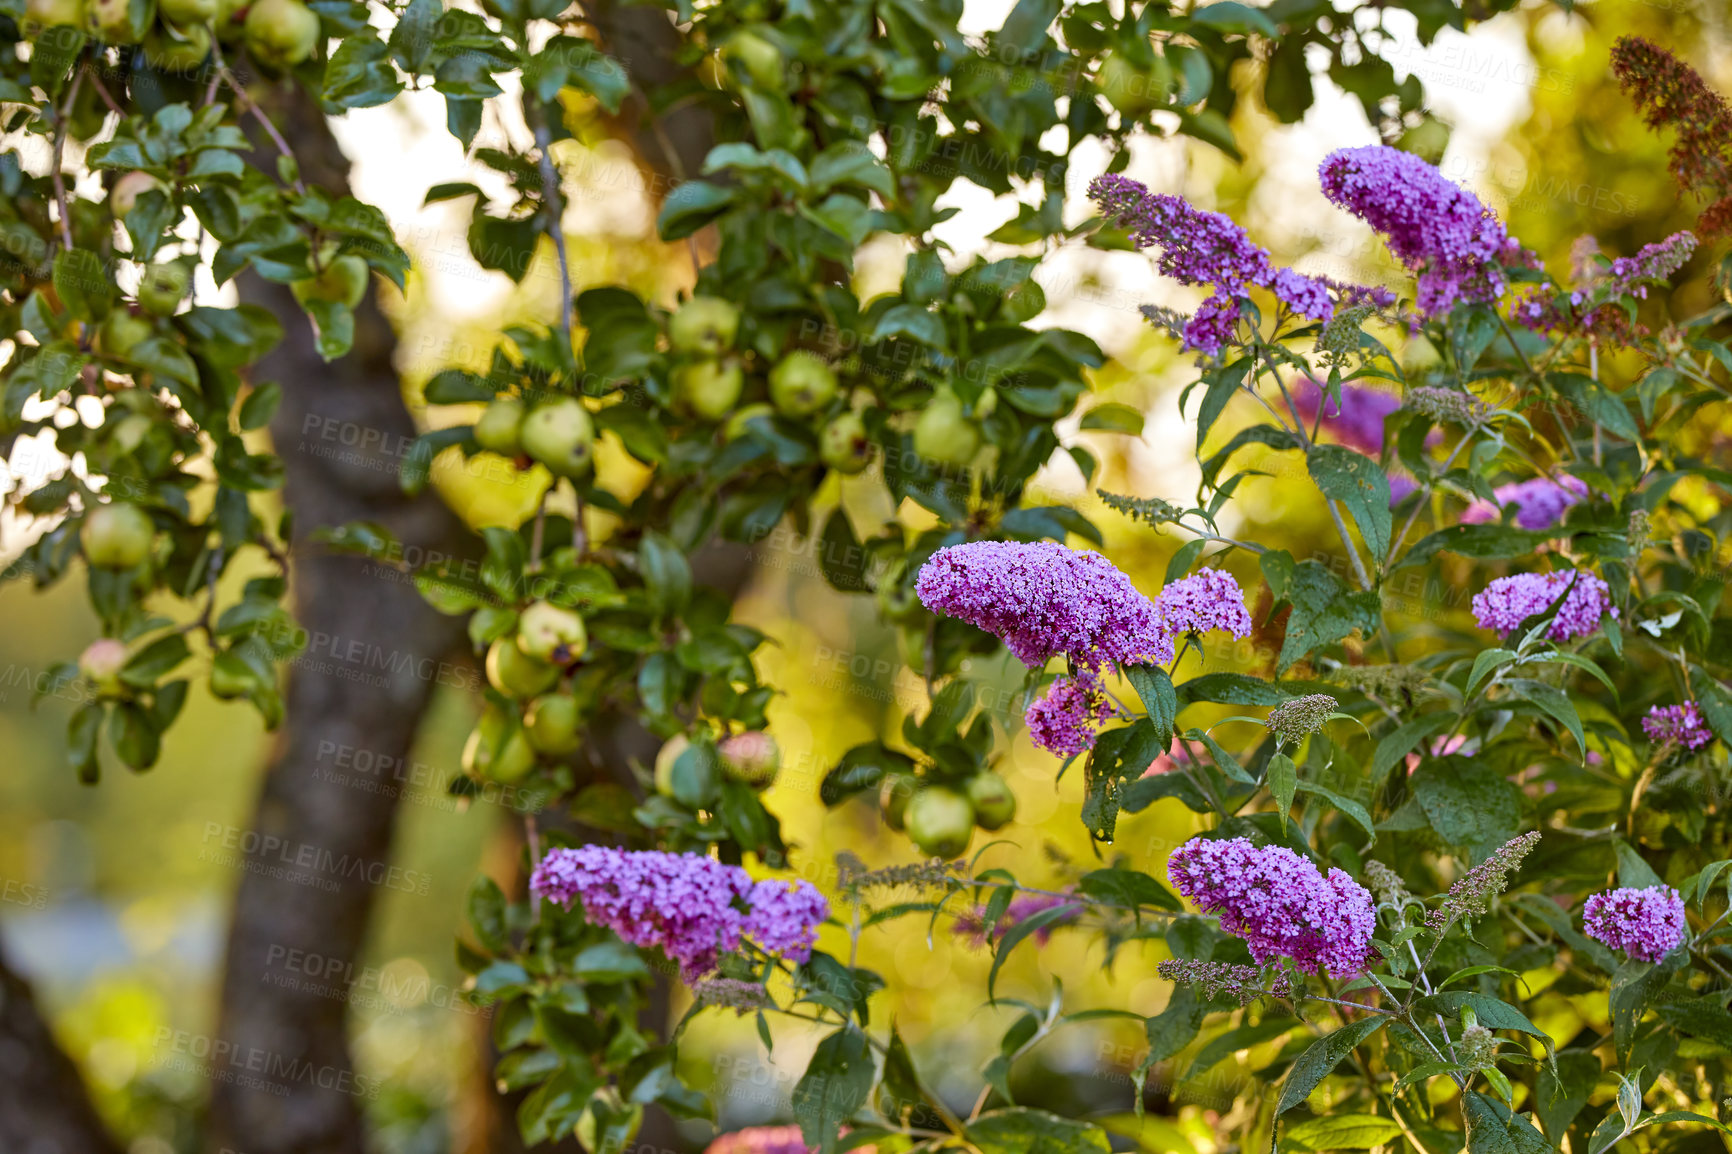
point(1647, 924)
point(1207, 599)
point(1680, 725)
point(1508, 601)
point(1279, 903)
point(1439, 230)
point(1540, 502)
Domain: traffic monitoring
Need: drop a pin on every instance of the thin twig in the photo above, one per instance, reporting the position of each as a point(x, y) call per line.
point(555, 202)
point(62, 122)
point(102, 90)
point(248, 104)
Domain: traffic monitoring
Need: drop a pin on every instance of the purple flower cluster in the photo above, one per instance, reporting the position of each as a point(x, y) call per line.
point(1540, 503)
point(1207, 599)
point(1065, 720)
point(1508, 601)
point(1437, 229)
point(1681, 725)
point(1206, 248)
point(1357, 421)
point(1657, 261)
point(1044, 599)
point(690, 907)
point(1646, 924)
point(1279, 903)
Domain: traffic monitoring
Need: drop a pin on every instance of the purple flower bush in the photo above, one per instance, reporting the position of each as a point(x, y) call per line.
point(1647, 924)
point(1360, 778)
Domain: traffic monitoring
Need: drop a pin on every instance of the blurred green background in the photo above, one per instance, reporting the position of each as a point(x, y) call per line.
point(116, 897)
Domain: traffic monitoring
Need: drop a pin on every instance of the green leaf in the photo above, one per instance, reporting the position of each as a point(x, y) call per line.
point(487, 913)
point(1324, 612)
point(910, 321)
point(1155, 689)
point(1020, 1130)
point(1554, 702)
point(1360, 485)
point(1282, 777)
point(837, 1082)
point(1493, 1013)
point(842, 558)
point(1493, 1129)
point(1321, 1057)
point(1563, 1087)
point(1360, 815)
point(1485, 663)
point(666, 573)
point(1399, 742)
point(359, 74)
point(691, 206)
point(1128, 887)
point(1484, 542)
point(150, 664)
point(860, 769)
point(1113, 418)
point(1343, 1132)
point(1468, 802)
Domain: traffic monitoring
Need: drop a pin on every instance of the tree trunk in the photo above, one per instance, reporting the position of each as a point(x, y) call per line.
point(43, 1106)
point(317, 855)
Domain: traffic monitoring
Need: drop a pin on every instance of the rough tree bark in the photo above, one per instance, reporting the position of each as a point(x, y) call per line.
point(43, 1106)
point(320, 845)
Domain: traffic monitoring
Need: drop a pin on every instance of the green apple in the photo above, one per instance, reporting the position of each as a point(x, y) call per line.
point(1131, 90)
point(513, 760)
point(547, 632)
point(101, 663)
point(111, 22)
point(183, 13)
point(129, 188)
point(501, 422)
point(940, 822)
point(231, 676)
point(802, 383)
point(894, 795)
point(281, 33)
point(231, 20)
point(116, 535)
point(343, 280)
point(710, 389)
point(164, 285)
point(843, 444)
point(757, 59)
point(177, 50)
point(943, 434)
point(121, 332)
point(553, 723)
point(704, 325)
point(515, 673)
point(737, 425)
point(129, 431)
point(490, 731)
point(751, 759)
point(665, 758)
point(54, 13)
point(560, 434)
point(993, 803)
